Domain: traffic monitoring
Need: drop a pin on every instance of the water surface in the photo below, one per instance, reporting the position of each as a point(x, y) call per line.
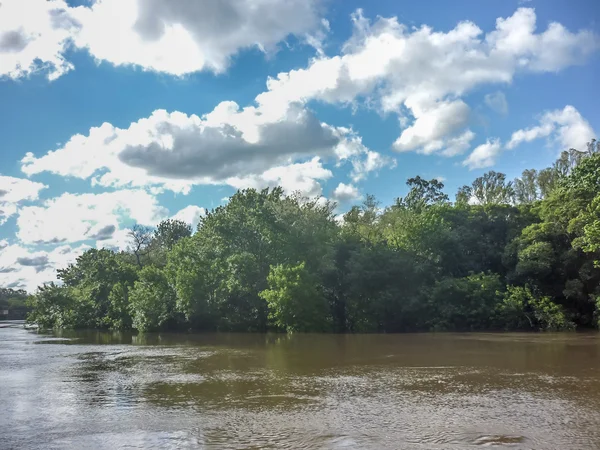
point(92, 390)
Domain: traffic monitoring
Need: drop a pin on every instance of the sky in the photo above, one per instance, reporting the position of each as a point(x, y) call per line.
point(115, 112)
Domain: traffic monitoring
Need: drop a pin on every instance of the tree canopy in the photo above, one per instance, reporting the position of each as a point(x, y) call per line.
point(506, 255)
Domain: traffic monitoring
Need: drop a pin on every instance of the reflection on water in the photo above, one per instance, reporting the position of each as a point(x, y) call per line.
point(430, 391)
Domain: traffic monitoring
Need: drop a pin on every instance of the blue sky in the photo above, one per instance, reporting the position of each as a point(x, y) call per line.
point(121, 111)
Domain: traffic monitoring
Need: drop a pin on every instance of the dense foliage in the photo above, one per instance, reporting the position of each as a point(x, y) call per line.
point(506, 255)
point(13, 303)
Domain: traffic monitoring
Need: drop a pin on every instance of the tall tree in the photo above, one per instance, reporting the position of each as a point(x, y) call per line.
point(526, 187)
point(464, 195)
point(140, 238)
point(492, 188)
point(423, 193)
point(547, 180)
point(170, 231)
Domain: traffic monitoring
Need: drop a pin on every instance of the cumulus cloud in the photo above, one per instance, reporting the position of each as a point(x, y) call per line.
point(484, 155)
point(344, 193)
point(34, 35)
point(551, 50)
point(383, 62)
point(215, 151)
point(187, 36)
point(161, 35)
point(175, 151)
point(299, 177)
point(363, 161)
point(14, 191)
point(82, 217)
point(497, 102)
point(432, 124)
point(22, 268)
point(191, 215)
point(565, 127)
point(370, 161)
point(457, 145)
point(421, 73)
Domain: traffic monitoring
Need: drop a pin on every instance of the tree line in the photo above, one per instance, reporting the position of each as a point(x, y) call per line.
point(505, 255)
point(13, 303)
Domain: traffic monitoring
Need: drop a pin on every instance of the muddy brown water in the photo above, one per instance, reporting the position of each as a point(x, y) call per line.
point(87, 390)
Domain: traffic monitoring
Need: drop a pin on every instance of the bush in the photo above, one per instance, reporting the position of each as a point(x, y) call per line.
point(294, 302)
point(522, 309)
point(152, 300)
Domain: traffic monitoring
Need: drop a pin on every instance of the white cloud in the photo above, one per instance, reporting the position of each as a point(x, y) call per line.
point(484, 155)
point(172, 37)
point(457, 145)
point(432, 124)
point(299, 177)
point(22, 268)
point(191, 215)
point(279, 140)
point(497, 102)
point(530, 134)
point(362, 160)
point(551, 50)
point(7, 210)
point(176, 151)
point(120, 241)
point(14, 191)
point(80, 217)
point(383, 62)
point(187, 35)
point(565, 127)
point(344, 193)
point(370, 162)
point(34, 35)
point(422, 73)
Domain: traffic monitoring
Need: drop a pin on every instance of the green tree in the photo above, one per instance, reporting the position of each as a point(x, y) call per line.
point(521, 256)
point(589, 222)
point(464, 304)
point(547, 180)
point(152, 300)
point(492, 188)
point(92, 279)
point(361, 221)
point(190, 270)
point(15, 301)
point(294, 299)
point(55, 307)
point(170, 231)
point(423, 193)
point(526, 187)
point(464, 195)
point(521, 309)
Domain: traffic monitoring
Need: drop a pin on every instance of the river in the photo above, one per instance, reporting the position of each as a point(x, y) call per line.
point(88, 390)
